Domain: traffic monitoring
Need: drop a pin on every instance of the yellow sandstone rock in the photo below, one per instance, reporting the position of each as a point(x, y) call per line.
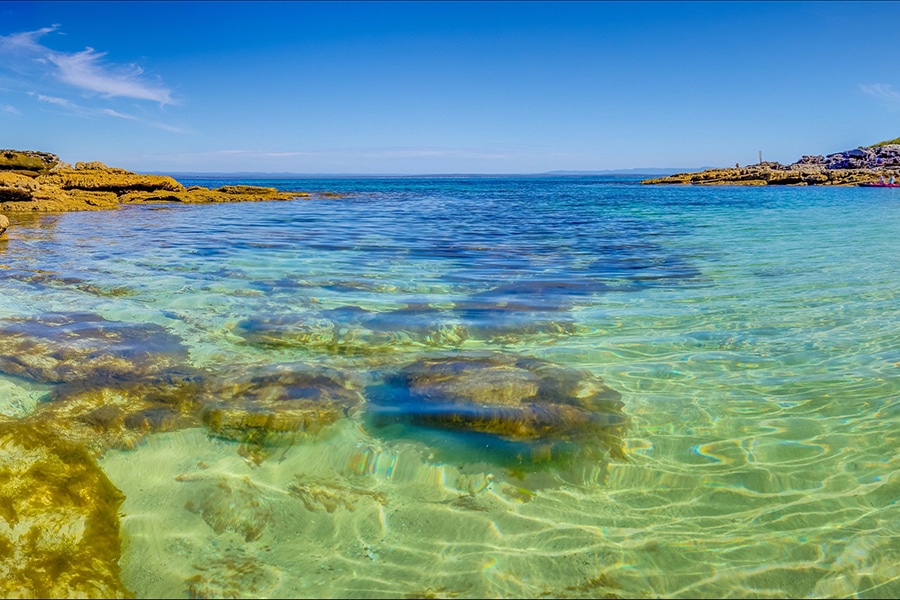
point(59, 519)
point(38, 181)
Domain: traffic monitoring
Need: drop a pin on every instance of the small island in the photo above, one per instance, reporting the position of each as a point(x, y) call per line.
point(860, 166)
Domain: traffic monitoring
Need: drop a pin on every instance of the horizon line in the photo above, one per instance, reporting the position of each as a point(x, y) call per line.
point(574, 173)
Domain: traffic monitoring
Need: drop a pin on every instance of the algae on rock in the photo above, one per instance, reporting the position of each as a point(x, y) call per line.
point(59, 518)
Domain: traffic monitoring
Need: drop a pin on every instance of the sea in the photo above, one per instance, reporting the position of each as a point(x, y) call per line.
point(457, 333)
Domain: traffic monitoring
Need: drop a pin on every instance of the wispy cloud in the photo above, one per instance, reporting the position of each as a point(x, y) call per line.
point(26, 41)
point(118, 115)
point(883, 92)
point(86, 70)
point(57, 101)
point(165, 127)
point(9, 110)
point(93, 113)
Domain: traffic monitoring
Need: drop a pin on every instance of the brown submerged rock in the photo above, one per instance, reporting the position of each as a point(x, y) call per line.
point(232, 576)
point(121, 414)
point(352, 330)
point(234, 505)
point(70, 347)
point(59, 519)
point(515, 398)
point(277, 405)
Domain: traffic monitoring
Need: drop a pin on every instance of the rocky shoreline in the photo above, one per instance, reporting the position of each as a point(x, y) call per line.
point(33, 181)
point(848, 168)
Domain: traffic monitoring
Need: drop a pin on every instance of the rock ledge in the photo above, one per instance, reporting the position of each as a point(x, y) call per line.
point(851, 167)
point(39, 181)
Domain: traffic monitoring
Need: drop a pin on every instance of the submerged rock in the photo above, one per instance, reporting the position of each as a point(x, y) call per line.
point(234, 505)
point(68, 347)
point(488, 319)
point(59, 519)
point(276, 405)
point(235, 575)
point(352, 330)
point(120, 414)
point(318, 494)
point(515, 398)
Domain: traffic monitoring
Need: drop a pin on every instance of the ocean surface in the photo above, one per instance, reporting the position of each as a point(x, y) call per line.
point(561, 387)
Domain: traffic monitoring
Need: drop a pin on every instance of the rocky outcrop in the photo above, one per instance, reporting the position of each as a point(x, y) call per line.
point(4, 224)
point(27, 161)
point(39, 181)
point(851, 167)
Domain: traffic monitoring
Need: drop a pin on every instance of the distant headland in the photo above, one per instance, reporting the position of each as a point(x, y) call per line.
point(863, 165)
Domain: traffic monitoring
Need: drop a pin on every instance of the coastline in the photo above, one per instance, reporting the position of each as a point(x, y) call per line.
point(863, 165)
point(39, 182)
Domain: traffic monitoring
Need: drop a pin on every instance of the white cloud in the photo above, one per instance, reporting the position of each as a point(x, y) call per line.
point(883, 92)
point(56, 100)
point(25, 41)
point(165, 127)
point(86, 70)
point(9, 110)
point(113, 113)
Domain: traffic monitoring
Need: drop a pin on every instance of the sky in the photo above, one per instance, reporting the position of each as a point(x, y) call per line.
point(435, 87)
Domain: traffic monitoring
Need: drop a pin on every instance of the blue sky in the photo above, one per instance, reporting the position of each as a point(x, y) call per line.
point(422, 87)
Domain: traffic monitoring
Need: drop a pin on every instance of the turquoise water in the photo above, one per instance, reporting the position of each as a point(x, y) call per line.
point(751, 334)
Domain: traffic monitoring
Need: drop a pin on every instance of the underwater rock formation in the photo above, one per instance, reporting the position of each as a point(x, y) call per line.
point(232, 576)
point(59, 519)
point(354, 331)
point(489, 319)
point(235, 505)
point(38, 181)
point(515, 398)
point(276, 405)
point(318, 495)
point(351, 330)
point(68, 347)
point(120, 414)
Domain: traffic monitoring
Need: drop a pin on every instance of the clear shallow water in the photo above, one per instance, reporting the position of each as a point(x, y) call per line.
point(751, 333)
